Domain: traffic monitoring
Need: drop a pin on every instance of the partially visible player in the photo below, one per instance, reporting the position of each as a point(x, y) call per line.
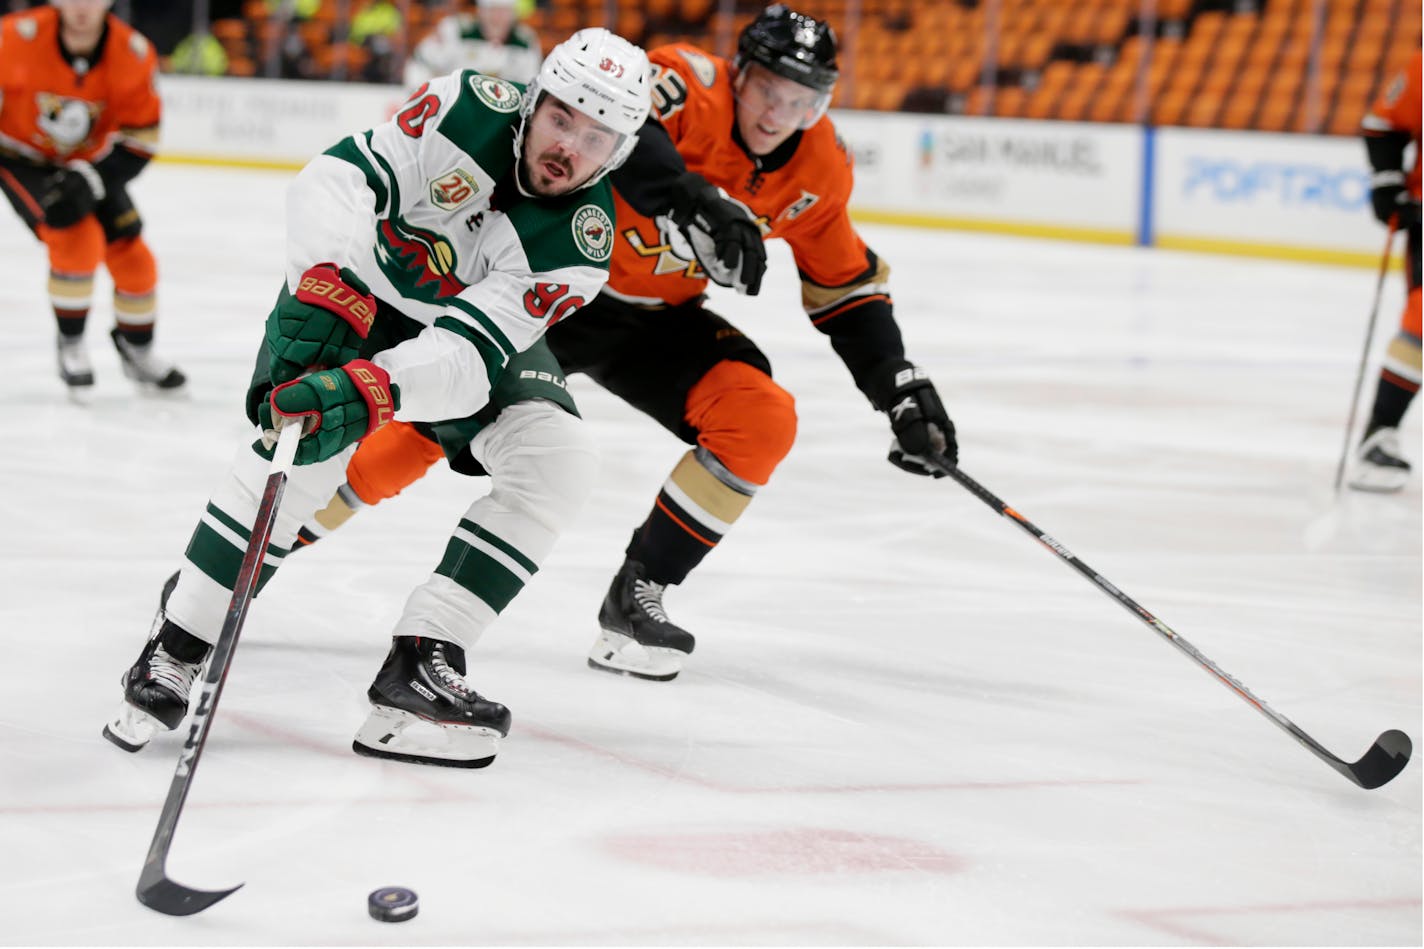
point(493, 41)
point(78, 121)
point(425, 259)
point(1390, 127)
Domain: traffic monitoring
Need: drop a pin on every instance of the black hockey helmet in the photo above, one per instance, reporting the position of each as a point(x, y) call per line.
point(798, 47)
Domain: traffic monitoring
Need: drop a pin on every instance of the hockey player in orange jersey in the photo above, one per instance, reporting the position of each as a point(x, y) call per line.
point(1390, 127)
point(741, 151)
point(78, 120)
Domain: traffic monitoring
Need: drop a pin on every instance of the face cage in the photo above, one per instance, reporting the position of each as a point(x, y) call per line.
point(532, 97)
point(818, 108)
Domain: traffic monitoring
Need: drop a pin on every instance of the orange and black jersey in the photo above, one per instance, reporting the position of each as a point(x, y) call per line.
point(1393, 122)
point(798, 193)
point(57, 107)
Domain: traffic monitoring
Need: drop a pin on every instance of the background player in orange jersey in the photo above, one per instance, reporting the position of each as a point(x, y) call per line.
point(1391, 125)
point(78, 120)
point(741, 151)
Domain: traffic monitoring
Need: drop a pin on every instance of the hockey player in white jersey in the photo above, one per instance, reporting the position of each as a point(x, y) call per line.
point(423, 257)
point(492, 41)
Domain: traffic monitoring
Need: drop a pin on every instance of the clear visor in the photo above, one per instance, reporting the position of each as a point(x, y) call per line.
point(558, 124)
point(781, 100)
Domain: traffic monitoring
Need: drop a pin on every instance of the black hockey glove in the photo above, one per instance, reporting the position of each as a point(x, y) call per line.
point(917, 417)
point(69, 194)
point(722, 233)
point(1387, 195)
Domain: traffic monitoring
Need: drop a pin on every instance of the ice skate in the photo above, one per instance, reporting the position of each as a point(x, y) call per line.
point(1378, 466)
point(142, 366)
point(157, 686)
point(636, 637)
point(74, 367)
point(423, 710)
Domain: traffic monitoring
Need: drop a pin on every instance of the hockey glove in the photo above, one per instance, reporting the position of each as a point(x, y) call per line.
point(917, 417)
point(336, 407)
point(320, 325)
point(722, 233)
point(69, 194)
point(1387, 195)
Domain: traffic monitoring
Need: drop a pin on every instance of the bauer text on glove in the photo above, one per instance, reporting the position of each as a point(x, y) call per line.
point(321, 325)
point(336, 407)
point(918, 419)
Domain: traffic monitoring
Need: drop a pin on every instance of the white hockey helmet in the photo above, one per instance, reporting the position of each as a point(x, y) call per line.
point(601, 75)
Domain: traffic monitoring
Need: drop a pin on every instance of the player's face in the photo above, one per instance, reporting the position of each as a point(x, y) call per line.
point(82, 16)
point(563, 148)
point(771, 107)
point(496, 23)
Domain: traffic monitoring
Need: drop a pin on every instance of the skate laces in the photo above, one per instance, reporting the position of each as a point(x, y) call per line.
point(448, 677)
point(174, 674)
point(649, 597)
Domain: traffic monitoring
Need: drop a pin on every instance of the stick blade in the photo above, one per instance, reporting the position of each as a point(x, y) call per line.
point(175, 899)
point(1385, 759)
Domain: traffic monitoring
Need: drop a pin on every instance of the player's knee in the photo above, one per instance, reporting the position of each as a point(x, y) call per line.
point(78, 249)
point(389, 460)
point(1410, 323)
point(744, 418)
point(131, 264)
point(543, 460)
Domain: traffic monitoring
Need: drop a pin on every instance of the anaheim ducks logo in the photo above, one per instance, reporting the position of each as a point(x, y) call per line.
point(593, 232)
point(65, 122)
point(421, 263)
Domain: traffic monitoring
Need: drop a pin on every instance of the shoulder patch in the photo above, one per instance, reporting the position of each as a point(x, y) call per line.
point(593, 232)
point(138, 44)
point(702, 67)
point(27, 28)
point(499, 94)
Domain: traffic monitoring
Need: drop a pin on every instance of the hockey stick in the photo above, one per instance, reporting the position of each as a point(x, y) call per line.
point(1384, 759)
point(155, 890)
point(1365, 355)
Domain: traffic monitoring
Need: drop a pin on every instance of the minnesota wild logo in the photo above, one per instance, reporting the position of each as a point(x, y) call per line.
point(593, 232)
point(498, 94)
point(420, 263)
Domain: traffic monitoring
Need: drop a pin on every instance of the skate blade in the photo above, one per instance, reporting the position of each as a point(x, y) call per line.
point(624, 655)
point(80, 395)
point(132, 728)
point(1379, 482)
point(403, 736)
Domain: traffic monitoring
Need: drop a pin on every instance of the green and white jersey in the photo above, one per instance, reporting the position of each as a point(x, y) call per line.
point(426, 211)
point(458, 43)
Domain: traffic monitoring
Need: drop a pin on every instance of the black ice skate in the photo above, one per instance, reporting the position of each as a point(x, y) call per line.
point(157, 686)
point(141, 365)
point(636, 637)
point(423, 710)
point(1378, 466)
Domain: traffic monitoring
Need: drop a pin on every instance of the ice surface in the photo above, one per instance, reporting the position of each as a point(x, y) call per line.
point(905, 722)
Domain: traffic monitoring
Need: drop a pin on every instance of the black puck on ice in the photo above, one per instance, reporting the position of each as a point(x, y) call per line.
point(393, 904)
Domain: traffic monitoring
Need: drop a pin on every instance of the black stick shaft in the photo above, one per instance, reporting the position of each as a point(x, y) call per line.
point(155, 890)
point(1365, 354)
point(1383, 761)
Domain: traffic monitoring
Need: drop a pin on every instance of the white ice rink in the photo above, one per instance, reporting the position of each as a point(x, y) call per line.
point(906, 723)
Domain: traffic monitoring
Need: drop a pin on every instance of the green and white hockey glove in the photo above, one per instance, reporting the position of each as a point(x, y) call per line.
point(319, 326)
point(336, 407)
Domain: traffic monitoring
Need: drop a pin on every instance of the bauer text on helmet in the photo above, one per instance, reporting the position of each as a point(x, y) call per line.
point(600, 77)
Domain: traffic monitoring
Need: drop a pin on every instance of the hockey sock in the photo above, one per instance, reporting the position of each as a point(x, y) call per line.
point(1391, 401)
point(695, 508)
point(135, 274)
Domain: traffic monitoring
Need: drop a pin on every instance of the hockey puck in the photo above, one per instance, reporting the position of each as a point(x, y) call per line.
point(393, 904)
